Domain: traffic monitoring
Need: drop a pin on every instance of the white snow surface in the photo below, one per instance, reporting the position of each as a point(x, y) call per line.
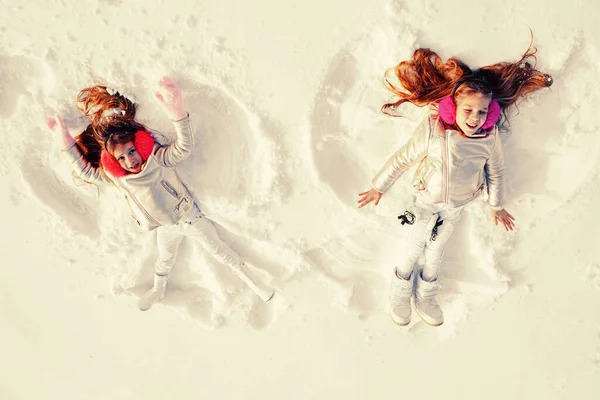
point(285, 98)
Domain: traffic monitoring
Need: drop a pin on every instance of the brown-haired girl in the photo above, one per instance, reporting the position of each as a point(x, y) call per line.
point(460, 156)
point(115, 148)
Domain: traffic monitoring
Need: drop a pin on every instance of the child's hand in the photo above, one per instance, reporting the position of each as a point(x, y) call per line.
point(56, 124)
point(50, 123)
point(371, 195)
point(505, 218)
point(169, 97)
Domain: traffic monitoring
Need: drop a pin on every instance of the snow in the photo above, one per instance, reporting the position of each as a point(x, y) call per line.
point(285, 99)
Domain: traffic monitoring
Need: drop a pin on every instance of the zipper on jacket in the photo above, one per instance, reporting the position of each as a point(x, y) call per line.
point(137, 203)
point(169, 189)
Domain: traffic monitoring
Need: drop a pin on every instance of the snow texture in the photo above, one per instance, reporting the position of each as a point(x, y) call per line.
point(285, 98)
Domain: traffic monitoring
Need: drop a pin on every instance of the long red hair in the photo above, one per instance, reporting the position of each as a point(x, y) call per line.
point(111, 121)
point(425, 79)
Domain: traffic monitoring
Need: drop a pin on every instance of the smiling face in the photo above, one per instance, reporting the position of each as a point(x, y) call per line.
point(471, 112)
point(128, 157)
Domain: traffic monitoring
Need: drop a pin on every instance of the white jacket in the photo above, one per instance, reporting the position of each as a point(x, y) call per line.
point(454, 169)
point(156, 195)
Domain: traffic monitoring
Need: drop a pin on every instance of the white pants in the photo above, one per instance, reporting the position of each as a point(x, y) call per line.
point(420, 237)
point(203, 231)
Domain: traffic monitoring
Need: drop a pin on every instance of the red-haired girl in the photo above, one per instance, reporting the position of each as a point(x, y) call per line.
point(116, 149)
point(460, 156)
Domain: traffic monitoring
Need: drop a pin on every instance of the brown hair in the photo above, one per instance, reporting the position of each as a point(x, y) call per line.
point(111, 121)
point(426, 79)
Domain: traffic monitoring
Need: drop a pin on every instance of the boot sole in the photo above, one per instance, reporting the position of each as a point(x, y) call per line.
point(424, 320)
point(399, 324)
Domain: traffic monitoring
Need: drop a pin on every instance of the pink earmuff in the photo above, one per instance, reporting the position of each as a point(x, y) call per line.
point(447, 111)
point(143, 143)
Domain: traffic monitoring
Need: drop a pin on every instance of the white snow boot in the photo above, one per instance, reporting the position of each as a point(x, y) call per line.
point(155, 294)
point(400, 294)
point(264, 292)
point(424, 301)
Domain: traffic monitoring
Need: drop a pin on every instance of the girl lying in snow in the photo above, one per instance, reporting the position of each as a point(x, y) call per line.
point(460, 155)
point(116, 149)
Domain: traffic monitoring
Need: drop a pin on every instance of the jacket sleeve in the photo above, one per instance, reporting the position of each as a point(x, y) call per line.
point(412, 151)
point(83, 167)
point(182, 146)
point(496, 175)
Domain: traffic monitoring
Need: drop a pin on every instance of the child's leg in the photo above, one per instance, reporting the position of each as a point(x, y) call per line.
point(402, 280)
point(426, 287)
point(418, 235)
point(168, 240)
point(203, 231)
point(434, 249)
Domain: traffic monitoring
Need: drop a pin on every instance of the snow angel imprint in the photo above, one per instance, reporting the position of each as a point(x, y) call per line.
point(116, 149)
point(459, 155)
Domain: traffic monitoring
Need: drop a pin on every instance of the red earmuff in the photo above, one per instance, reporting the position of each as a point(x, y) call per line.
point(447, 111)
point(143, 143)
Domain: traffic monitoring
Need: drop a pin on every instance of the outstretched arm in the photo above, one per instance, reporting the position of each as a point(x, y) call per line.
point(496, 179)
point(81, 165)
point(414, 150)
point(169, 97)
point(410, 153)
point(496, 175)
